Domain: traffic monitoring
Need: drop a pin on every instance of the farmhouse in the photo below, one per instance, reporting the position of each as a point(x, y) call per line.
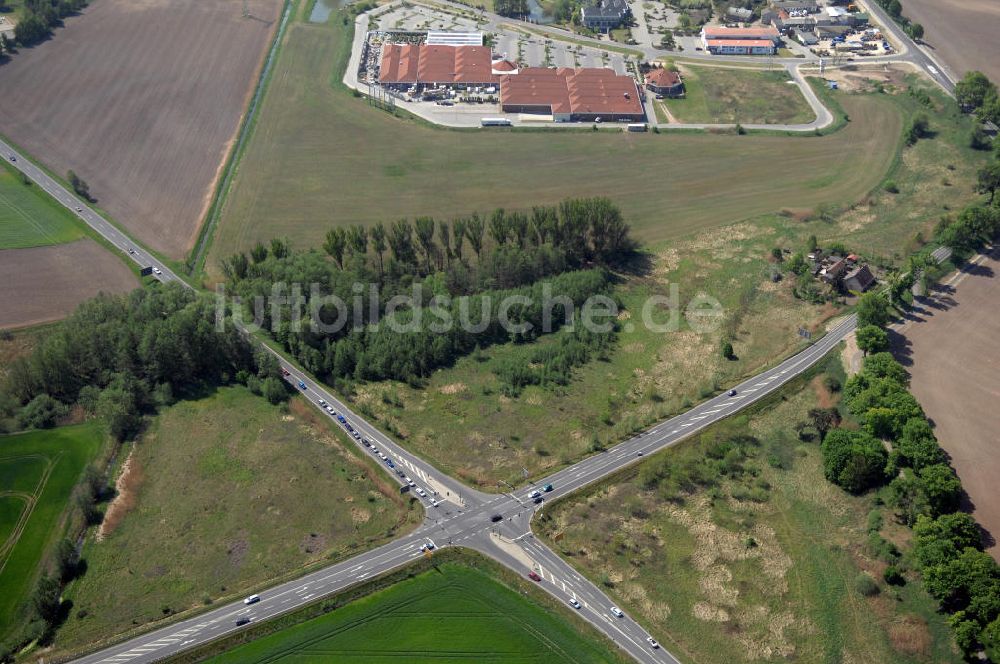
point(664, 82)
point(605, 15)
point(572, 95)
point(404, 65)
point(859, 279)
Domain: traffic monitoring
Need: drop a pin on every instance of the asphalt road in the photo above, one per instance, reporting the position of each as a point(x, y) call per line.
point(497, 525)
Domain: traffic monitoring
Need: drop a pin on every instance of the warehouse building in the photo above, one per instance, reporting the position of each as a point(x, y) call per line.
point(404, 65)
point(760, 40)
point(572, 95)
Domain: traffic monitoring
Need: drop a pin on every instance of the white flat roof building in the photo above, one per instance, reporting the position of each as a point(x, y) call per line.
point(454, 38)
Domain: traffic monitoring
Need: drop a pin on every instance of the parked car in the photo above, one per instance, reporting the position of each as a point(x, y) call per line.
point(496, 518)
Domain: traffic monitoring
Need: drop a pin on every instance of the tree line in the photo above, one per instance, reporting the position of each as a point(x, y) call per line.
point(922, 491)
point(38, 17)
point(575, 233)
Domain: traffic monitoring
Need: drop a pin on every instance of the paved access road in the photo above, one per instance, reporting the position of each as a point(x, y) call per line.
point(497, 525)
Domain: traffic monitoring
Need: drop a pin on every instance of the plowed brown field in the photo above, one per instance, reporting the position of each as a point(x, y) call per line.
point(141, 98)
point(44, 284)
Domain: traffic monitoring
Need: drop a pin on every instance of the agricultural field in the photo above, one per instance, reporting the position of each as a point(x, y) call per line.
point(449, 613)
point(320, 157)
point(38, 471)
point(724, 95)
point(113, 98)
point(43, 284)
point(218, 497)
point(960, 32)
point(947, 346)
point(740, 551)
point(29, 217)
point(461, 422)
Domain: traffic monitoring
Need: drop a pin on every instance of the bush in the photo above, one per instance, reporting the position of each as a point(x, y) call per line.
point(865, 585)
point(891, 187)
point(853, 460)
point(42, 412)
point(893, 576)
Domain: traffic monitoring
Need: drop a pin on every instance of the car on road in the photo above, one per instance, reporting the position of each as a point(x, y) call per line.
point(322, 402)
point(496, 517)
point(430, 544)
point(242, 621)
point(284, 372)
point(617, 612)
point(157, 270)
point(534, 577)
point(421, 493)
point(732, 393)
point(400, 473)
point(547, 488)
point(253, 599)
point(639, 453)
point(410, 482)
point(574, 603)
point(330, 410)
point(13, 158)
point(389, 463)
point(434, 503)
point(79, 209)
point(131, 251)
point(535, 494)
point(652, 642)
point(302, 385)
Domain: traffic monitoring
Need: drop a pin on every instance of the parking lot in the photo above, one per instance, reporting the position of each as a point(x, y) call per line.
point(528, 49)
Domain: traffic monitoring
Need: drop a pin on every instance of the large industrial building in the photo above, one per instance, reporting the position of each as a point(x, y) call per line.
point(572, 95)
point(404, 65)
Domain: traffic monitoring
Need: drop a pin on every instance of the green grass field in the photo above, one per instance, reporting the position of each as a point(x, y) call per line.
point(29, 218)
point(452, 613)
point(756, 565)
point(224, 494)
point(320, 157)
point(38, 471)
point(727, 95)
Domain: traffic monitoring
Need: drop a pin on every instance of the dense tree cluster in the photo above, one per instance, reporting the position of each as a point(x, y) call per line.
point(978, 94)
point(973, 228)
point(510, 7)
point(38, 17)
point(462, 271)
point(121, 356)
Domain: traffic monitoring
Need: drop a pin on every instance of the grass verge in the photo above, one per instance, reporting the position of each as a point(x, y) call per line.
point(219, 497)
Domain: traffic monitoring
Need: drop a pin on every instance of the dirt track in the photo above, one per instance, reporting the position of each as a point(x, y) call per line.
point(44, 284)
point(142, 99)
point(950, 348)
point(963, 33)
